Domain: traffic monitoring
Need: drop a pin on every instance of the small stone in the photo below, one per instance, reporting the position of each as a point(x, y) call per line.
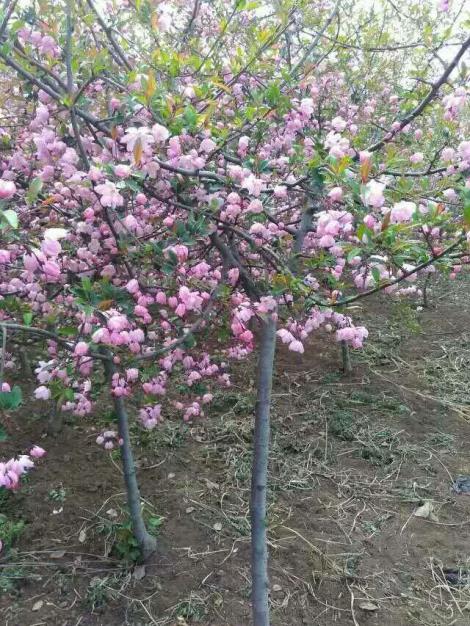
point(37, 606)
point(277, 588)
point(217, 526)
point(368, 606)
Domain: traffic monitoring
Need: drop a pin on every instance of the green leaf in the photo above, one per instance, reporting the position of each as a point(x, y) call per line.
point(33, 190)
point(375, 274)
point(466, 206)
point(10, 400)
point(68, 331)
point(361, 231)
point(353, 253)
point(3, 434)
point(273, 93)
point(11, 217)
point(27, 318)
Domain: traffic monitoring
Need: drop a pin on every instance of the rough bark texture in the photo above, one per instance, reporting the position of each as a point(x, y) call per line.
point(259, 550)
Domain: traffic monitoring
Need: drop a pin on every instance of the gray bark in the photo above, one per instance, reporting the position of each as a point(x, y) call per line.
point(346, 355)
point(147, 543)
point(259, 550)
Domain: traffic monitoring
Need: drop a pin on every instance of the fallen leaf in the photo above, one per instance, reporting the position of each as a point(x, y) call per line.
point(368, 606)
point(217, 526)
point(426, 511)
point(82, 536)
point(139, 572)
point(57, 554)
point(37, 606)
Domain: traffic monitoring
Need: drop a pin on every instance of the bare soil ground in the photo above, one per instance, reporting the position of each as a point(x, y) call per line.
point(353, 459)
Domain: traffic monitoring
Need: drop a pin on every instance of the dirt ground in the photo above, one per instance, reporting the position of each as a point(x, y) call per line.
point(362, 517)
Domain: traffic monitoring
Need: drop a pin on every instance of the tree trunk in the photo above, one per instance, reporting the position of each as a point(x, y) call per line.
point(147, 543)
point(427, 280)
point(55, 420)
point(259, 549)
point(346, 355)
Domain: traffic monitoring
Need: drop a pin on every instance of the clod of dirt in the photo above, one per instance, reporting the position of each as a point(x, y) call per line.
point(139, 572)
point(57, 554)
point(462, 485)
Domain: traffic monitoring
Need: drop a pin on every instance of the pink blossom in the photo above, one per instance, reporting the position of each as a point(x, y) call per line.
point(285, 336)
point(5, 256)
point(297, 346)
point(448, 154)
point(135, 137)
point(122, 171)
point(7, 189)
point(133, 286)
point(42, 393)
point(306, 106)
point(207, 145)
point(81, 348)
point(402, 211)
point(132, 374)
point(160, 133)
point(253, 185)
point(338, 124)
point(280, 191)
point(37, 452)
point(51, 269)
point(336, 194)
point(109, 195)
point(417, 157)
point(372, 194)
point(327, 241)
point(51, 247)
point(464, 150)
point(255, 206)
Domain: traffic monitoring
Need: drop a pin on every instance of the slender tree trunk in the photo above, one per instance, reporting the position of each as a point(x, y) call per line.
point(26, 369)
point(259, 548)
point(346, 355)
point(427, 280)
point(147, 543)
point(55, 421)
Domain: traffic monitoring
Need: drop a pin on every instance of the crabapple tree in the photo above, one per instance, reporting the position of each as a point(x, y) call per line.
point(183, 183)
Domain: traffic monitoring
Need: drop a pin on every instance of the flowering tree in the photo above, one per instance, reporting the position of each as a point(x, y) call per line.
point(167, 208)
